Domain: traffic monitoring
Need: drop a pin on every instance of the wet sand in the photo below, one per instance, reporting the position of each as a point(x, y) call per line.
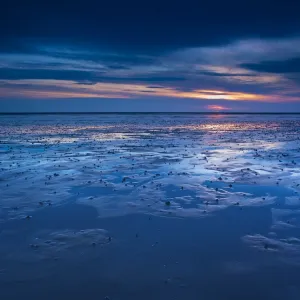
point(150, 206)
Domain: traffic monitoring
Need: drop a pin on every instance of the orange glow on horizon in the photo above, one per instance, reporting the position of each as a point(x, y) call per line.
point(67, 89)
point(217, 107)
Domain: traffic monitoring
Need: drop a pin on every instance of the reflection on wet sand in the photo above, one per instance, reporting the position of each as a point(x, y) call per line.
point(169, 168)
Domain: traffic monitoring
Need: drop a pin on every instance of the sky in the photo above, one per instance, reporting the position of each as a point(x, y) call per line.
point(152, 56)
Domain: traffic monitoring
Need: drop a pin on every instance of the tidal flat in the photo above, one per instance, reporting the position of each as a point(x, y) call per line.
point(150, 206)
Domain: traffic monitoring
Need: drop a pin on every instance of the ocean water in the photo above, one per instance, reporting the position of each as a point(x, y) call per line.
point(150, 206)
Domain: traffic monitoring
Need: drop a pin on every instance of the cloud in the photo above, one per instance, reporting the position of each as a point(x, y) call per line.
point(69, 89)
point(151, 26)
point(240, 71)
point(80, 76)
point(286, 66)
point(18, 74)
point(242, 50)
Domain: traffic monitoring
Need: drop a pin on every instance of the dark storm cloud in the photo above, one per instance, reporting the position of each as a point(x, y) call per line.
point(287, 66)
point(17, 74)
point(147, 26)
point(80, 76)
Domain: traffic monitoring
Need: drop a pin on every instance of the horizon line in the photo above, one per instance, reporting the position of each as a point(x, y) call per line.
point(189, 113)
